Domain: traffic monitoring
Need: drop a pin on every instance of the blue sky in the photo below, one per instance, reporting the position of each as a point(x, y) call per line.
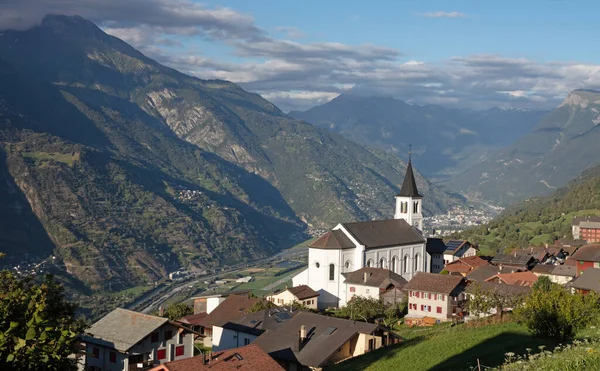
point(298, 54)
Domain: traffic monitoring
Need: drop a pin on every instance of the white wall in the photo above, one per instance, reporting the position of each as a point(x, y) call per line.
point(360, 290)
point(212, 303)
point(330, 291)
point(224, 339)
point(445, 304)
point(410, 251)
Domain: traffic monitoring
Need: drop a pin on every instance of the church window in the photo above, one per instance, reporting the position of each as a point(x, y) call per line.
point(394, 265)
point(369, 263)
point(405, 264)
point(347, 264)
point(404, 207)
point(382, 263)
point(416, 262)
point(317, 265)
point(331, 272)
point(416, 207)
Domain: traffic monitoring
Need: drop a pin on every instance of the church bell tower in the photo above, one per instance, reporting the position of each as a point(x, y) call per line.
point(409, 202)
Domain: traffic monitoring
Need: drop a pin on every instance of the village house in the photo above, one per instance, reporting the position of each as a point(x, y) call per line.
point(483, 272)
point(232, 307)
point(456, 249)
point(207, 303)
point(516, 278)
point(312, 341)
point(375, 283)
point(247, 358)
point(494, 288)
point(244, 329)
point(587, 256)
point(124, 339)
point(514, 261)
point(299, 294)
point(588, 281)
point(434, 295)
point(435, 248)
point(465, 265)
point(560, 274)
point(586, 228)
point(394, 244)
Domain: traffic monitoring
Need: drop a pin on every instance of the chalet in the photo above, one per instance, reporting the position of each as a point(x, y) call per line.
point(560, 274)
point(517, 278)
point(587, 256)
point(465, 265)
point(434, 295)
point(124, 339)
point(376, 283)
point(300, 294)
point(247, 358)
point(586, 228)
point(312, 341)
point(456, 249)
point(435, 248)
point(245, 328)
point(514, 261)
point(589, 280)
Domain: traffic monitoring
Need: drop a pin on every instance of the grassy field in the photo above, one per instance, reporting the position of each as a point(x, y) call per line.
point(66, 158)
point(448, 348)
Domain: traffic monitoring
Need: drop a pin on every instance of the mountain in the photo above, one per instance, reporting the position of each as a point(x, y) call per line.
point(445, 141)
point(540, 219)
point(561, 146)
point(125, 169)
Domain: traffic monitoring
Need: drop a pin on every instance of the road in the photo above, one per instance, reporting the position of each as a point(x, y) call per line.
point(286, 254)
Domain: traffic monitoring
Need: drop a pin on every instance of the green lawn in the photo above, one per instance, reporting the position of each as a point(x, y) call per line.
point(448, 348)
point(66, 158)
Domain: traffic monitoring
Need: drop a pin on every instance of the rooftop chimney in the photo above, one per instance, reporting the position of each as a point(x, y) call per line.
point(515, 252)
point(302, 333)
point(161, 311)
point(365, 276)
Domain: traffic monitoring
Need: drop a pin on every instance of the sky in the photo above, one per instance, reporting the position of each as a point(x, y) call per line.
point(298, 54)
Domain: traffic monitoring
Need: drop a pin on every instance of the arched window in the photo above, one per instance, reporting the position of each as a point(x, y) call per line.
point(404, 207)
point(405, 264)
point(416, 262)
point(369, 263)
point(382, 263)
point(317, 265)
point(394, 264)
point(331, 272)
point(415, 207)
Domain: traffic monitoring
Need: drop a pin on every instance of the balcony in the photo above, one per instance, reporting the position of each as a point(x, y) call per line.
point(146, 365)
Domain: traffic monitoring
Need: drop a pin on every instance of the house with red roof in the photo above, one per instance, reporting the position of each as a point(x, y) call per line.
point(516, 278)
point(463, 266)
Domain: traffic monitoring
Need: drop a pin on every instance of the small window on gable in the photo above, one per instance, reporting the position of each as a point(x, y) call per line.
point(154, 337)
point(179, 351)
point(112, 357)
point(96, 352)
point(331, 272)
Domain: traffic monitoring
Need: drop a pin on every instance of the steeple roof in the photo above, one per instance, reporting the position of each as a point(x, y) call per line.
point(409, 187)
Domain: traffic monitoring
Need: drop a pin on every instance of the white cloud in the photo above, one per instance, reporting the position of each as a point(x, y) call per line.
point(443, 15)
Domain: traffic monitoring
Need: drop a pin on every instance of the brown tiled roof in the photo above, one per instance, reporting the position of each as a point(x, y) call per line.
point(303, 292)
point(567, 242)
point(376, 277)
point(511, 259)
point(457, 268)
point(565, 270)
point(193, 319)
point(499, 288)
point(249, 358)
point(588, 253)
point(484, 272)
point(383, 233)
point(587, 221)
point(335, 239)
point(543, 268)
point(517, 278)
point(463, 265)
point(431, 282)
point(538, 255)
point(258, 322)
point(325, 336)
point(588, 280)
point(230, 308)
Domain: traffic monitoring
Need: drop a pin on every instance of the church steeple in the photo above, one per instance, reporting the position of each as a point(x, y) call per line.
point(409, 186)
point(409, 200)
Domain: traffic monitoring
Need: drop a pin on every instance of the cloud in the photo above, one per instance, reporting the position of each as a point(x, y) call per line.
point(297, 75)
point(291, 32)
point(443, 15)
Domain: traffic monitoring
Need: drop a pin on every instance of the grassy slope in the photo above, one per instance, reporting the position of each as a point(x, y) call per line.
point(448, 348)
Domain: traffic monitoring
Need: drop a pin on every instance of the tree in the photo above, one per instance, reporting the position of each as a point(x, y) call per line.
point(486, 298)
point(556, 313)
point(543, 283)
point(366, 309)
point(177, 311)
point(38, 328)
point(262, 305)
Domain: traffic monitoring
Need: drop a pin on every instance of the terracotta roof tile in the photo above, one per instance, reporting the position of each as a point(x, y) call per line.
point(193, 319)
point(248, 358)
point(517, 278)
point(303, 292)
point(335, 239)
point(230, 308)
point(437, 283)
point(588, 253)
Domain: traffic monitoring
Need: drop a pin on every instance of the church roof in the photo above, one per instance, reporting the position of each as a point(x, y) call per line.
point(374, 277)
point(409, 186)
point(384, 233)
point(335, 239)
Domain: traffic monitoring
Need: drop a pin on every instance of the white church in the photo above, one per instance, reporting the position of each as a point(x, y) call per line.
point(396, 244)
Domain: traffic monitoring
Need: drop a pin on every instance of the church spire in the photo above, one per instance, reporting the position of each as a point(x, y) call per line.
point(409, 187)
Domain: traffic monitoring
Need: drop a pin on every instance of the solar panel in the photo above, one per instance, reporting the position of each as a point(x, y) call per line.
point(329, 330)
point(453, 244)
